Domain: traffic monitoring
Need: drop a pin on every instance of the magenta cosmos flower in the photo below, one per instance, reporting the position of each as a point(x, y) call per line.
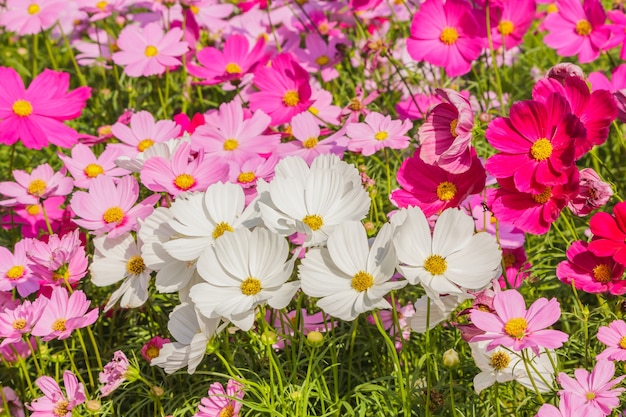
point(614, 336)
point(378, 132)
point(218, 403)
point(445, 35)
point(515, 327)
point(593, 193)
point(55, 402)
point(149, 51)
point(35, 114)
point(577, 29)
point(510, 22)
point(609, 233)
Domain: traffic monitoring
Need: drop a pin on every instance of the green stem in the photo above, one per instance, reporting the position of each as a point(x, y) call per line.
point(494, 64)
point(46, 219)
point(81, 77)
point(34, 356)
point(49, 49)
point(70, 356)
point(452, 405)
point(531, 377)
point(20, 361)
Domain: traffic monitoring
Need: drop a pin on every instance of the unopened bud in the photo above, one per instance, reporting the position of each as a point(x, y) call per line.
point(157, 391)
point(268, 337)
point(450, 358)
point(315, 338)
point(93, 406)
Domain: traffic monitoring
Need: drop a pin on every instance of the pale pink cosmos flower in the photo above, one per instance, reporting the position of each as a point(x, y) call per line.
point(319, 56)
point(211, 14)
point(218, 403)
point(595, 387)
point(307, 143)
point(15, 270)
point(614, 336)
point(101, 9)
point(378, 132)
point(358, 105)
point(28, 17)
point(509, 236)
point(16, 409)
point(114, 373)
point(403, 331)
point(108, 208)
point(84, 165)
point(15, 351)
point(322, 107)
point(149, 51)
point(95, 52)
point(248, 172)
point(515, 327)
point(64, 314)
point(41, 183)
point(593, 193)
point(569, 406)
point(15, 323)
point(55, 402)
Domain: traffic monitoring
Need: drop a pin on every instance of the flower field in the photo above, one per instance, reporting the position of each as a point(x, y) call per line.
point(295, 208)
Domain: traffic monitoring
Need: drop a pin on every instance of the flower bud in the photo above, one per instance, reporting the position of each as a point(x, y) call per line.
point(450, 358)
point(315, 338)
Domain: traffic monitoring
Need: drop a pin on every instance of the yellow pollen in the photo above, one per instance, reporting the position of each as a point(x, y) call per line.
point(16, 272)
point(33, 209)
point(449, 36)
point(63, 273)
point(250, 286)
point(622, 342)
point(105, 130)
point(37, 187)
point(135, 265)
point(233, 68)
point(310, 143)
point(499, 360)
point(590, 396)
point(382, 135)
point(184, 182)
point(323, 27)
point(102, 5)
point(291, 98)
point(314, 221)
point(362, 281)
point(221, 228)
point(151, 51)
point(19, 324)
point(152, 351)
point(506, 27)
point(508, 259)
point(231, 144)
point(194, 9)
point(435, 264)
point(228, 411)
point(33, 8)
point(93, 170)
point(602, 273)
point(516, 327)
point(355, 104)
point(314, 110)
point(113, 215)
point(322, 60)
point(60, 408)
point(59, 325)
point(544, 197)
point(144, 144)
point(453, 125)
point(446, 191)
point(583, 27)
point(541, 150)
point(246, 177)
point(552, 8)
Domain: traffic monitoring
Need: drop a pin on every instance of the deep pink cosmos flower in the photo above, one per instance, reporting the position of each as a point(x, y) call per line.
point(593, 193)
point(35, 114)
point(614, 336)
point(31, 188)
point(617, 86)
point(445, 35)
point(609, 233)
point(591, 273)
point(31, 218)
point(515, 327)
point(284, 89)
point(218, 403)
point(577, 29)
point(378, 132)
point(149, 51)
point(516, 268)
point(618, 32)
point(55, 402)
point(510, 21)
point(152, 347)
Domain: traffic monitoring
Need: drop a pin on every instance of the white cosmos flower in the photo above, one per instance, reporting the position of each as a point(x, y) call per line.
point(314, 200)
point(118, 259)
point(350, 276)
point(451, 260)
point(243, 270)
point(440, 309)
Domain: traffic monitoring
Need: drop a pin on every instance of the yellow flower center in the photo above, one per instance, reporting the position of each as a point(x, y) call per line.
point(33, 209)
point(250, 286)
point(246, 177)
point(228, 411)
point(113, 215)
point(151, 51)
point(552, 8)
point(314, 110)
point(516, 327)
point(231, 144)
point(60, 408)
point(19, 324)
point(310, 143)
point(220, 229)
point(602, 273)
point(152, 351)
point(59, 325)
point(382, 135)
point(102, 5)
point(314, 221)
point(446, 191)
point(499, 360)
point(16, 272)
point(194, 9)
point(508, 259)
point(449, 36)
point(232, 68)
point(541, 150)
point(105, 130)
point(62, 273)
point(322, 60)
point(622, 342)
point(93, 170)
point(544, 197)
point(453, 125)
point(583, 27)
point(37, 187)
point(362, 281)
point(506, 27)
point(291, 98)
point(355, 104)
point(144, 144)
point(135, 265)
point(33, 8)
point(590, 395)
point(184, 182)
point(435, 264)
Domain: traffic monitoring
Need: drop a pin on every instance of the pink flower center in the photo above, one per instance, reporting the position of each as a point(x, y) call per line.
point(314, 221)
point(446, 191)
point(362, 281)
point(37, 187)
point(33, 8)
point(583, 27)
point(93, 170)
point(435, 264)
point(508, 259)
point(246, 177)
point(231, 144)
point(19, 324)
point(499, 360)
point(59, 326)
point(113, 215)
point(516, 328)
point(448, 36)
point(233, 68)
point(291, 98)
point(135, 265)
point(184, 182)
point(453, 125)
point(250, 286)
point(33, 209)
point(506, 27)
point(221, 228)
point(602, 273)
point(16, 272)
point(151, 51)
point(541, 150)
point(144, 144)
point(382, 135)
point(544, 197)
point(622, 342)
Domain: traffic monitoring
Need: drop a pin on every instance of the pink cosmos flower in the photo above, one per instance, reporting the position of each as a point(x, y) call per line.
point(114, 373)
point(378, 132)
point(516, 268)
point(55, 402)
point(149, 51)
point(108, 208)
point(85, 166)
point(59, 261)
point(618, 32)
point(594, 387)
point(17, 350)
point(593, 193)
point(13, 403)
point(152, 347)
point(15, 270)
point(17, 322)
point(614, 336)
point(322, 107)
point(446, 134)
point(510, 21)
point(64, 314)
point(445, 35)
point(217, 403)
point(30, 17)
point(617, 86)
point(358, 105)
point(320, 56)
point(515, 327)
point(211, 15)
point(234, 61)
point(577, 29)
point(248, 172)
point(284, 89)
point(569, 406)
point(509, 236)
point(416, 107)
point(41, 183)
point(32, 219)
point(143, 132)
point(95, 52)
point(535, 144)
point(307, 143)
point(609, 233)
point(35, 114)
